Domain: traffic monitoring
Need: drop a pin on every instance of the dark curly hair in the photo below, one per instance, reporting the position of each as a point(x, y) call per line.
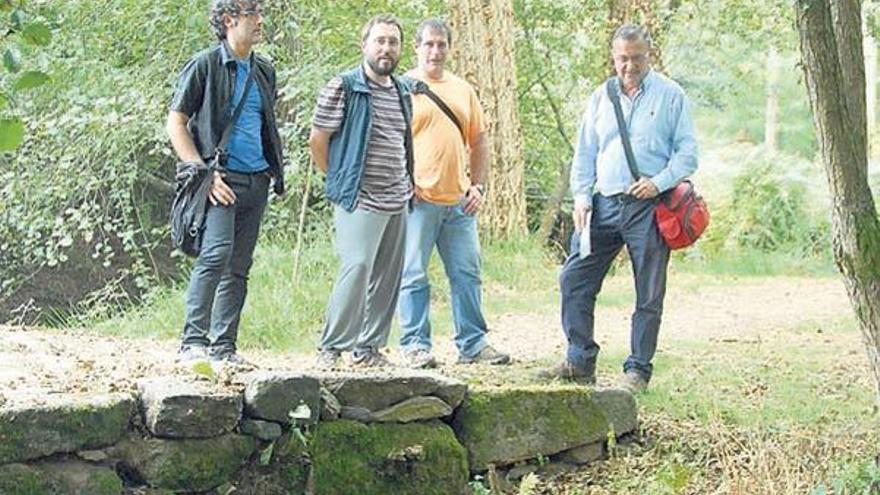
point(232, 8)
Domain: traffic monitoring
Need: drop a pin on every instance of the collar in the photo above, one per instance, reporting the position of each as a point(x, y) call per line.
point(226, 55)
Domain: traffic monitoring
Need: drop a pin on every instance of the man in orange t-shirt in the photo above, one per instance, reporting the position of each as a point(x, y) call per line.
point(451, 156)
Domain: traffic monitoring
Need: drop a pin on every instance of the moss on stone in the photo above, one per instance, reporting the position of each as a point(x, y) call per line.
point(189, 465)
point(70, 424)
point(502, 426)
point(19, 479)
point(416, 458)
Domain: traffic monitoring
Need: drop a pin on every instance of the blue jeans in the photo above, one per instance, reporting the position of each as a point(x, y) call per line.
point(218, 282)
point(455, 235)
point(617, 221)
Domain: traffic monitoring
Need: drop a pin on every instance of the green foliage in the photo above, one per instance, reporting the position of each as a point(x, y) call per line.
point(766, 214)
point(717, 50)
point(19, 31)
point(854, 478)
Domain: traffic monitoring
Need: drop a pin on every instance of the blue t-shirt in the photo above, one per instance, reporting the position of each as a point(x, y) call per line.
point(245, 148)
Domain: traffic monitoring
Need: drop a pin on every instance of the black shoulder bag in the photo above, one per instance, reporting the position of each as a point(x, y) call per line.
point(194, 180)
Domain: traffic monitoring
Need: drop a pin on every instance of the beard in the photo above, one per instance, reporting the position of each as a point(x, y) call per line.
point(382, 70)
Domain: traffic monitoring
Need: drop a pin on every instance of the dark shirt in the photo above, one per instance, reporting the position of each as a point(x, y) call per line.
point(204, 93)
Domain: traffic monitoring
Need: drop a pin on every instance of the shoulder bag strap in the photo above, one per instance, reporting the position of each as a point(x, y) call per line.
point(612, 87)
point(421, 88)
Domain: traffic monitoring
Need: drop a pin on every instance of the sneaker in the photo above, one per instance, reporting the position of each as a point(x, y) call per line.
point(419, 359)
point(370, 359)
point(569, 372)
point(633, 381)
point(327, 359)
point(192, 353)
point(232, 358)
point(487, 356)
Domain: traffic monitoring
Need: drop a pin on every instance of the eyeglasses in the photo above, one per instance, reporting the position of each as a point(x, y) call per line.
point(251, 12)
point(638, 58)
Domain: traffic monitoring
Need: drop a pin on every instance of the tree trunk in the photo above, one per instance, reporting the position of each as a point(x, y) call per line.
point(771, 114)
point(483, 54)
point(831, 46)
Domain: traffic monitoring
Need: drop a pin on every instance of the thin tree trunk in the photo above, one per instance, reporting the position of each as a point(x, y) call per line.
point(483, 54)
point(831, 46)
point(771, 114)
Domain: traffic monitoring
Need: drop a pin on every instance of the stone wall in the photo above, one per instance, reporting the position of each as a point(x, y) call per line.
point(273, 432)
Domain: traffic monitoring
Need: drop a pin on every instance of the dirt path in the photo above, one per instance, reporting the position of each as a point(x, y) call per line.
point(35, 362)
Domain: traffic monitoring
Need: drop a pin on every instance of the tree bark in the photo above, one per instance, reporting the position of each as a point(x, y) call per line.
point(483, 54)
point(831, 47)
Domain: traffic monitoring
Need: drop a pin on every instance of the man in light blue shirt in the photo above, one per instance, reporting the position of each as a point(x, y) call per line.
point(660, 126)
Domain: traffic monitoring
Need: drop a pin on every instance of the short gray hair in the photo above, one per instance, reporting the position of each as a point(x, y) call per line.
point(433, 24)
point(633, 32)
point(232, 8)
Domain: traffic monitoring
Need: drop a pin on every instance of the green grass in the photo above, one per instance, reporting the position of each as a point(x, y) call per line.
point(518, 276)
point(287, 316)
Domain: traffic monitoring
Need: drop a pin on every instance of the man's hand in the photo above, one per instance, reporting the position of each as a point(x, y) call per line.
point(220, 192)
point(473, 200)
point(643, 189)
point(580, 217)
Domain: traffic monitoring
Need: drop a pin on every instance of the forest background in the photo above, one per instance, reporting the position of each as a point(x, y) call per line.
point(86, 176)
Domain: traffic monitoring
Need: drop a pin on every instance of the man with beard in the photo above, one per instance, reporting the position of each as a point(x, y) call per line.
point(361, 138)
point(222, 78)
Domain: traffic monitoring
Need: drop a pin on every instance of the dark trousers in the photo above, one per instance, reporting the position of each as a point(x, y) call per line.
point(616, 221)
point(218, 282)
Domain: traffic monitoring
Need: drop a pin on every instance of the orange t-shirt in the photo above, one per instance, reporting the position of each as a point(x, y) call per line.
point(441, 157)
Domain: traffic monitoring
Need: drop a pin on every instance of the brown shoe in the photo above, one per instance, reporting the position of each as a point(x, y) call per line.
point(489, 355)
point(569, 372)
point(633, 381)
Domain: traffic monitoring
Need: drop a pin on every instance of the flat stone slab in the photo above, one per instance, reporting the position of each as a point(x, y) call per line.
point(379, 390)
point(504, 426)
point(283, 397)
point(65, 423)
point(176, 408)
point(415, 409)
point(385, 458)
point(191, 465)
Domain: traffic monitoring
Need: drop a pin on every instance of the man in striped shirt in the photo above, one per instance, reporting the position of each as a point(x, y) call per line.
point(361, 138)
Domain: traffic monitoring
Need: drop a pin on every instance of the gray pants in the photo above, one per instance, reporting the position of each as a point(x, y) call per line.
point(218, 283)
point(370, 248)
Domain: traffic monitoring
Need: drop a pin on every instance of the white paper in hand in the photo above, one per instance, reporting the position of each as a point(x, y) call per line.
point(585, 248)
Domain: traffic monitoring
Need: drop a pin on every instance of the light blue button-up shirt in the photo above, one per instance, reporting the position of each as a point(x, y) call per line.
point(661, 131)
